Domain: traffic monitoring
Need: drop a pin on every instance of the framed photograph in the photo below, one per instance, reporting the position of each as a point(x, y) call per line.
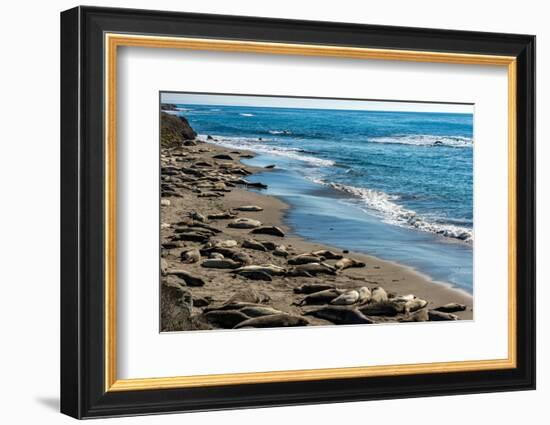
point(261, 212)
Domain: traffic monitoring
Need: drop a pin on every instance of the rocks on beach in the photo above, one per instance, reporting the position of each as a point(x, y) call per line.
point(227, 263)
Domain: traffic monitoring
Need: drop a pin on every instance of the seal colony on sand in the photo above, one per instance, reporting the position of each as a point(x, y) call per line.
point(229, 262)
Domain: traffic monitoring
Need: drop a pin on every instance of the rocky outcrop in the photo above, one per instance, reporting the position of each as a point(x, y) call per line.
point(174, 130)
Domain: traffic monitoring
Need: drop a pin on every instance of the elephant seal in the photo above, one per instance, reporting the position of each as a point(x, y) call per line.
point(222, 216)
point(249, 208)
point(280, 251)
point(365, 295)
point(197, 216)
point(190, 279)
point(252, 244)
point(438, 316)
point(273, 321)
point(329, 255)
point(312, 269)
point(304, 259)
point(269, 230)
point(256, 275)
point(379, 295)
point(310, 288)
point(347, 298)
point(226, 319)
point(321, 297)
point(451, 308)
point(257, 311)
point(250, 295)
point(341, 315)
point(384, 308)
point(270, 269)
point(190, 256)
point(245, 223)
point(417, 316)
point(216, 255)
point(214, 263)
point(346, 263)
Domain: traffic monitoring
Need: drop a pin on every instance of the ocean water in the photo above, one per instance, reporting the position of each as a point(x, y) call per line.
point(398, 185)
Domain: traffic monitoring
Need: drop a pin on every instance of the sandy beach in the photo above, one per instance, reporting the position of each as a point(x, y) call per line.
point(210, 245)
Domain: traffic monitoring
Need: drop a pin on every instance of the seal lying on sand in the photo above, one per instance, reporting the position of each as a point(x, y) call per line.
point(226, 319)
point(341, 315)
point(312, 269)
point(360, 296)
point(345, 263)
point(304, 259)
point(310, 288)
point(321, 297)
point(329, 255)
point(190, 256)
point(273, 321)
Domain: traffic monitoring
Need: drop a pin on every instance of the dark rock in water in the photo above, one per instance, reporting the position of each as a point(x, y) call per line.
point(451, 308)
point(226, 319)
point(273, 321)
point(310, 288)
point(223, 156)
point(247, 156)
point(209, 137)
point(174, 130)
point(189, 278)
point(269, 230)
point(341, 315)
point(438, 316)
point(270, 166)
point(259, 185)
point(438, 142)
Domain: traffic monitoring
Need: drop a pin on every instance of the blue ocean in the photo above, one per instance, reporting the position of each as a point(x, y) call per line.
point(397, 185)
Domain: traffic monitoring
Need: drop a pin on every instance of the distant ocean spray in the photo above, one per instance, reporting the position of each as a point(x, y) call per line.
point(409, 169)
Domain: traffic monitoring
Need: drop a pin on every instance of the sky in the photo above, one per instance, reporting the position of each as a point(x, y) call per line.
point(313, 103)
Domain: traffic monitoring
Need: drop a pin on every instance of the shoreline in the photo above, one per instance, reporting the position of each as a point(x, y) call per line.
point(221, 285)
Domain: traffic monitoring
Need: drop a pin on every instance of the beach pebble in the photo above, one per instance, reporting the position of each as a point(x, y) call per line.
point(245, 223)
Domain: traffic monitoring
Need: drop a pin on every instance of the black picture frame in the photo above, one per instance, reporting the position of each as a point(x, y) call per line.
point(83, 392)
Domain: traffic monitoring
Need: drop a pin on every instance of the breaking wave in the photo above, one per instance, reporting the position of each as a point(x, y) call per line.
point(425, 140)
point(384, 206)
point(259, 146)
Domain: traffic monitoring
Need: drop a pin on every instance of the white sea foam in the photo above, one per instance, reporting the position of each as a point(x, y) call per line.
point(425, 140)
point(246, 115)
point(260, 146)
point(385, 207)
point(280, 132)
